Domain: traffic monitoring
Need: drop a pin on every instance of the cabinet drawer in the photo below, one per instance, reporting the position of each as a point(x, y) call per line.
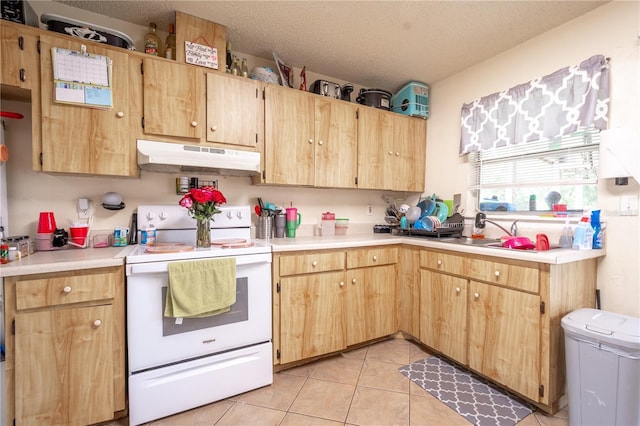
point(312, 262)
point(372, 257)
point(443, 262)
point(519, 277)
point(64, 290)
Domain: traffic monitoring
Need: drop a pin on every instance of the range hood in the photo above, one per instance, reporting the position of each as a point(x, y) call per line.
point(173, 157)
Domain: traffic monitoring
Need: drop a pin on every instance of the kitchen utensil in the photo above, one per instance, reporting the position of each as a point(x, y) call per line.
point(79, 233)
point(520, 243)
point(427, 206)
point(257, 210)
point(442, 211)
point(542, 242)
point(326, 88)
point(391, 220)
point(60, 238)
point(8, 114)
point(413, 214)
point(346, 92)
point(376, 98)
point(293, 221)
point(265, 227)
point(280, 222)
point(47, 223)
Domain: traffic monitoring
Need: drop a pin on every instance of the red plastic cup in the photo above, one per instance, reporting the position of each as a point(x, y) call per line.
point(79, 233)
point(47, 223)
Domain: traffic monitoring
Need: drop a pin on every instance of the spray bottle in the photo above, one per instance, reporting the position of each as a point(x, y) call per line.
point(597, 229)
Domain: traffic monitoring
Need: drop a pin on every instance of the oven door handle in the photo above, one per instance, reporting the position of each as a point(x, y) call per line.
point(160, 267)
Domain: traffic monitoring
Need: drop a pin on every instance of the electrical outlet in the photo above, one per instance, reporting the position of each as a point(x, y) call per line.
point(369, 209)
point(629, 205)
point(83, 208)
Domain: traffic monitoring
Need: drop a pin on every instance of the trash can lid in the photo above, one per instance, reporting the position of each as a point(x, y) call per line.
point(616, 329)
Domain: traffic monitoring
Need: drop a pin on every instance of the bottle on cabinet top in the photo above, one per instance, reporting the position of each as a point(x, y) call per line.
point(170, 43)
point(152, 44)
point(229, 58)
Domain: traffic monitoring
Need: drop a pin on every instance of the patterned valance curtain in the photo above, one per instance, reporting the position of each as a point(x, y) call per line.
point(558, 104)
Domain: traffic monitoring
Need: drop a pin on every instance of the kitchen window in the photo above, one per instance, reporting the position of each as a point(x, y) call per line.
point(532, 177)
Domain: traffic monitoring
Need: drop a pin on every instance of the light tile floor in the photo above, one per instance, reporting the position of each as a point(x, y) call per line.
point(360, 387)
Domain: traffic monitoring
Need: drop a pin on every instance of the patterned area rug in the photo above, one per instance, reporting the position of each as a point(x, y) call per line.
point(477, 400)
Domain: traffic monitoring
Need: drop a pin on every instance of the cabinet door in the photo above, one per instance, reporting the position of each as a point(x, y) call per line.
point(64, 366)
point(173, 99)
point(375, 149)
point(312, 318)
point(371, 303)
point(409, 153)
point(504, 336)
point(78, 139)
point(233, 110)
point(443, 314)
point(335, 143)
point(19, 66)
point(289, 132)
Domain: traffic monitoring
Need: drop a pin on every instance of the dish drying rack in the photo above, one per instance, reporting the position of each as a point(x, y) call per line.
point(452, 227)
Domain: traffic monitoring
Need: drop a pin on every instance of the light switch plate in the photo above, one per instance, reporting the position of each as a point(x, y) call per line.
point(629, 205)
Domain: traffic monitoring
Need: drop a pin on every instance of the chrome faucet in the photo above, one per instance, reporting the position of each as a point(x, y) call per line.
point(481, 220)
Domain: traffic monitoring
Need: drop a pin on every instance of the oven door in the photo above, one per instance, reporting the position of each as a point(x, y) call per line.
point(155, 340)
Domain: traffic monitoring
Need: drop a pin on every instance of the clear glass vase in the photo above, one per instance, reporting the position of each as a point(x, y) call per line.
point(203, 233)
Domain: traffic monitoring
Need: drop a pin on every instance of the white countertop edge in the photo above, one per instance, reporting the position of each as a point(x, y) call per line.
point(44, 262)
point(556, 256)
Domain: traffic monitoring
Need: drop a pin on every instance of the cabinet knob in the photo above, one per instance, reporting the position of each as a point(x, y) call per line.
point(119, 114)
point(310, 140)
point(97, 323)
point(22, 74)
point(397, 154)
point(439, 262)
point(375, 258)
point(194, 124)
point(476, 295)
point(353, 281)
point(67, 289)
point(314, 263)
point(458, 290)
point(496, 273)
point(390, 152)
point(214, 128)
point(319, 142)
point(341, 283)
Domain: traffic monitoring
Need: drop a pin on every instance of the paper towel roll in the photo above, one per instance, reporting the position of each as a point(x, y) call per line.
point(619, 153)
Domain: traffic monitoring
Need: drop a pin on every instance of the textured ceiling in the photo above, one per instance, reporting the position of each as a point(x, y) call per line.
point(381, 44)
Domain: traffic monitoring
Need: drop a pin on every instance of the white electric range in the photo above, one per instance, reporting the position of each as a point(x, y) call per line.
point(176, 364)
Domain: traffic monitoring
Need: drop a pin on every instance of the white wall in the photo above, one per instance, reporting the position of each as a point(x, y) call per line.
point(612, 30)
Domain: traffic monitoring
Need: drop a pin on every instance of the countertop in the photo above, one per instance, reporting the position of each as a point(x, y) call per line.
point(72, 258)
point(555, 256)
point(66, 259)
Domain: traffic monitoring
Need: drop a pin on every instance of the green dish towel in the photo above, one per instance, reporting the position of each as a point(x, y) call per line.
point(200, 288)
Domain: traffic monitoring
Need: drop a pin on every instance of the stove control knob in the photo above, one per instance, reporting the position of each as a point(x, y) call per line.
point(239, 214)
point(163, 215)
point(151, 215)
point(230, 214)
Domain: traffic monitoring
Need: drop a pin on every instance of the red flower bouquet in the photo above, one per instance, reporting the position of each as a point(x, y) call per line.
point(203, 202)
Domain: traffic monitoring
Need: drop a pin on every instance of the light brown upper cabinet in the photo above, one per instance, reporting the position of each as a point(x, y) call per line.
point(81, 139)
point(235, 111)
point(20, 65)
point(173, 99)
point(391, 151)
point(309, 140)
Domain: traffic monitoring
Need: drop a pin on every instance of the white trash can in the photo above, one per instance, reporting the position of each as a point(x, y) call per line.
point(602, 351)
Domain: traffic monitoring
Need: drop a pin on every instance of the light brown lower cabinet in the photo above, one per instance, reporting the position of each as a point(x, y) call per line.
point(65, 360)
point(325, 301)
point(501, 317)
